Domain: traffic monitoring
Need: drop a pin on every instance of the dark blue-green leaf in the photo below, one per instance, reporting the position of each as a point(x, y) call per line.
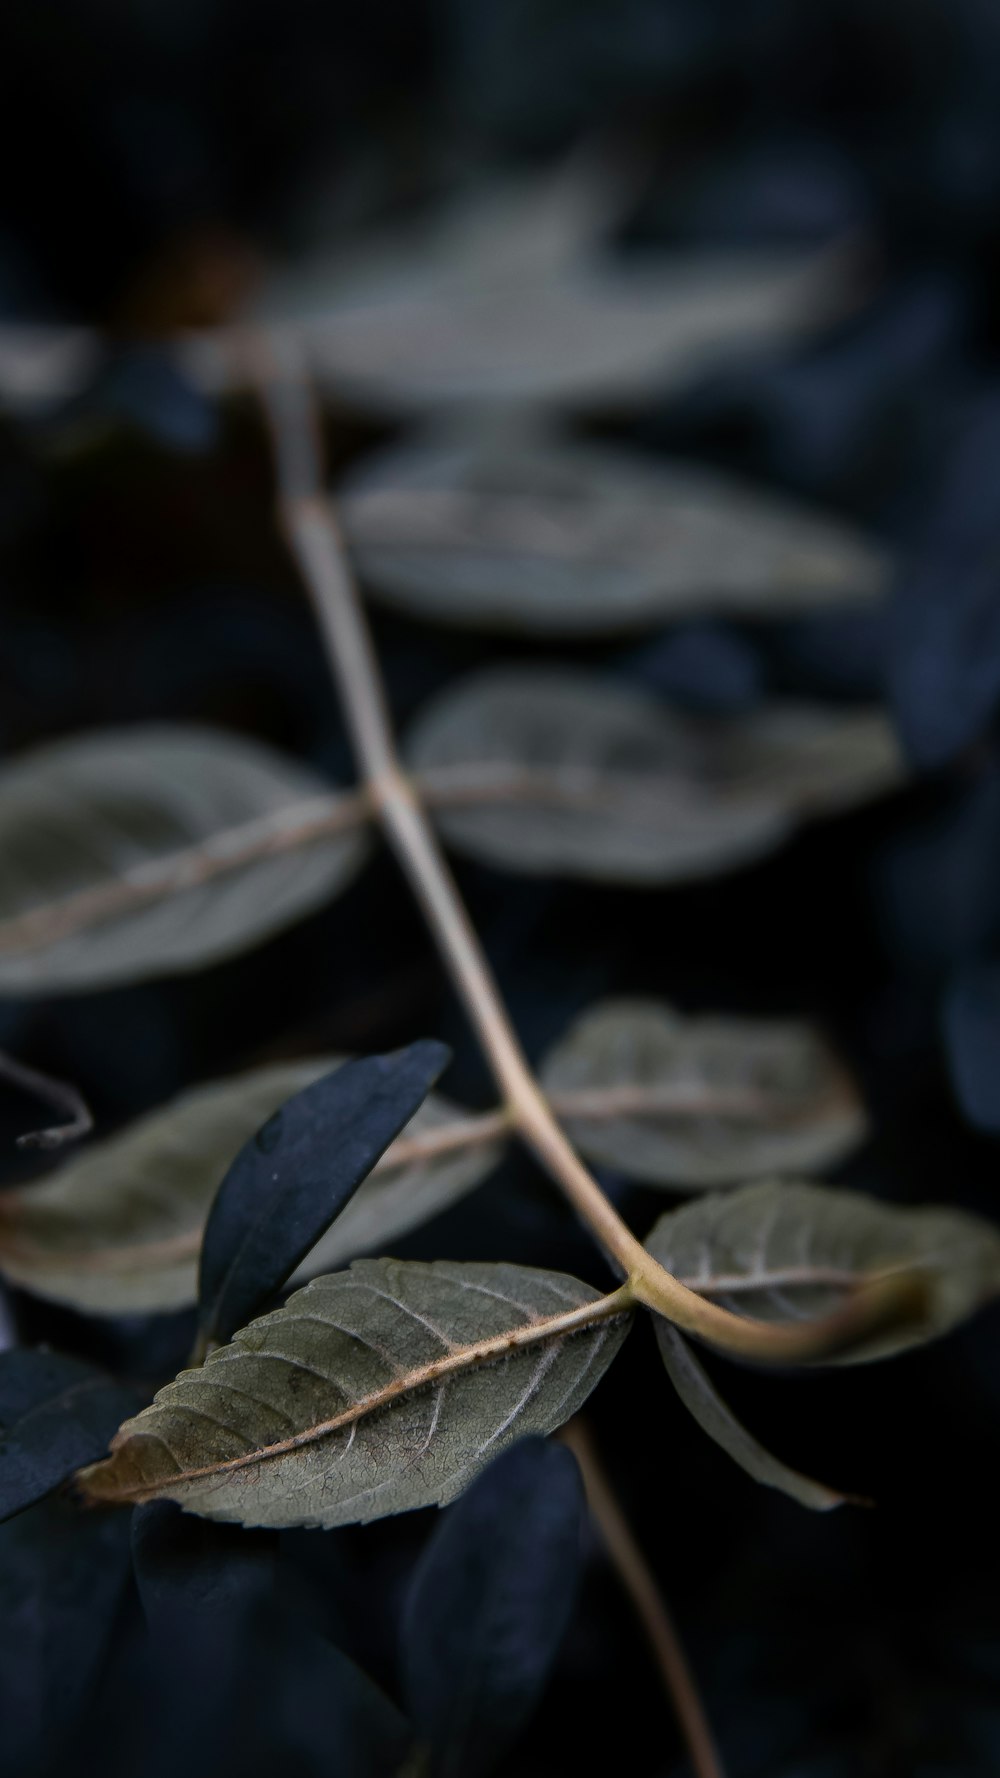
point(972, 1034)
point(260, 1689)
point(944, 660)
point(189, 1566)
point(489, 1606)
point(56, 1414)
point(63, 1576)
point(291, 1180)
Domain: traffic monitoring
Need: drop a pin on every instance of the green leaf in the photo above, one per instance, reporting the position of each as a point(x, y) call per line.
point(512, 295)
point(56, 1413)
point(117, 1229)
point(716, 1418)
point(784, 1252)
point(569, 539)
point(489, 1606)
point(63, 1578)
point(291, 1180)
point(699, 1102)
point(547, 770)
point(372, 1391)
point(439, 1158)
point(120, 855)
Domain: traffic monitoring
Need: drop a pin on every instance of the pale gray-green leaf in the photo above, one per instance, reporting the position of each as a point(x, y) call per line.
point(372, 1391)
point(716, 1418)
point(573, 539)
point(557, 770)
point(598, 330)
point(510, 295)
point(698, 1102)
point(84, 818)
point(117, 1229)
point(787, 1251)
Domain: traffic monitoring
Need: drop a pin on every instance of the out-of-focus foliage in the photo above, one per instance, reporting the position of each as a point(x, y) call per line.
point(556, 539)
point(781, 1250)
point(82, 818)
point(683, 316)
point(701, 1102)
point(588, 778)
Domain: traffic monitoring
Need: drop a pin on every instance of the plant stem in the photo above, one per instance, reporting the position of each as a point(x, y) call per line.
point(314, 537)
point(639, 1584)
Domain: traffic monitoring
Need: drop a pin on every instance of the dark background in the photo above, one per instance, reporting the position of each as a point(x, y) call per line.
point(153, 156)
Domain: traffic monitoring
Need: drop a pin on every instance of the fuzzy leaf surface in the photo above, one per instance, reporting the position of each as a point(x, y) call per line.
point(372, 1391)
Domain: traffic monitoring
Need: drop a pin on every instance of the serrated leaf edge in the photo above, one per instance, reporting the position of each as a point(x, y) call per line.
point(615, 1307)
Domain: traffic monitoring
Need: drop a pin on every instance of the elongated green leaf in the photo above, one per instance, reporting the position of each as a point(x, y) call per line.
point(63, 1576)
point(117, 859)
point(225, 1637)
point(703, 1101)
point(440, 1156)
point(512, 296)
point(291, 1180)
point(490, 1604)
point(786, 1251)
point(575, 540)
point(588, 331)
point(716, 1417)
point(117, 1229)
point(372, 1391)
point(559, 771)
point(56, 1413)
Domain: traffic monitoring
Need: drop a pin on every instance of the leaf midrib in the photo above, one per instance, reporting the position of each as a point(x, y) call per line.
point(480, 1353)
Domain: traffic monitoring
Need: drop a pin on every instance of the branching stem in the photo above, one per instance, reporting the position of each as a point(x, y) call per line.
point(310, 525)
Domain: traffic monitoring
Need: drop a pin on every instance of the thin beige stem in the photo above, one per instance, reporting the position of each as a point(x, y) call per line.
point(428, 1145)
point(315, 540)
point(647, 1600)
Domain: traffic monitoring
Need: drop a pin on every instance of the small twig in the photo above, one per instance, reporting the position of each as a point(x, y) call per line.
point(313, 535)
point(57, 1093)
point(638, 1582)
